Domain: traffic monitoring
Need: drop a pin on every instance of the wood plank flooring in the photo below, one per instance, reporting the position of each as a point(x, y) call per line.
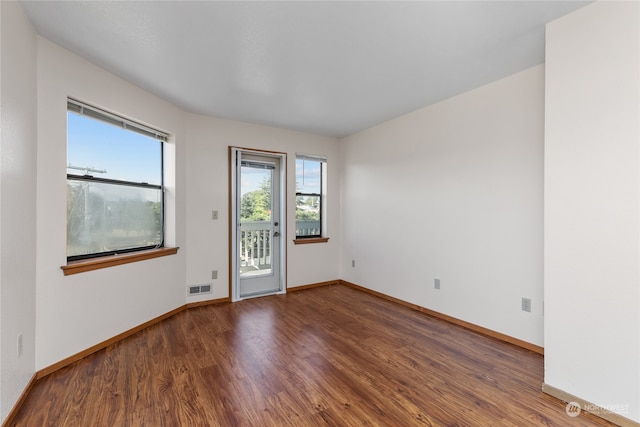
point(329, 356)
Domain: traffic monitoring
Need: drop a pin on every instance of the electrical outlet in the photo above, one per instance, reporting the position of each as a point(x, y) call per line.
point(526, 304)
point(436, 283)
point(214, 214)
point(214, 274)
point(20, 344)
point(353, 263)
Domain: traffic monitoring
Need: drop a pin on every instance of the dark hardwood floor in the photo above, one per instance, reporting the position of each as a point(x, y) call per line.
point(325, 356)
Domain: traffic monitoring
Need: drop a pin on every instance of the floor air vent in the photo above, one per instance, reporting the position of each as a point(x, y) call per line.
point(199, 289)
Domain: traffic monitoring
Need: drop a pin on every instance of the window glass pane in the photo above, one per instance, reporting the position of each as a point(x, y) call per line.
point(103, 150)
point(109, 217)
point(307, 216)
point(308, 176)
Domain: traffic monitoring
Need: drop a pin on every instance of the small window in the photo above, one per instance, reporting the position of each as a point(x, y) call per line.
point(115, 200)
point(310, 184)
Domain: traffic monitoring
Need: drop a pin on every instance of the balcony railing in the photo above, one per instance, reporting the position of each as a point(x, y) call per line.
point(255, 245)
point(255, 242)
point(310, 227)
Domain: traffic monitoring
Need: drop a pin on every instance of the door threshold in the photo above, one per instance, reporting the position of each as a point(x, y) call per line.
point(260, 294)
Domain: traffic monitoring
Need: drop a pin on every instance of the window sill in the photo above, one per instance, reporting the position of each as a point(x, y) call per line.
point(304, 241)
point(75, 267)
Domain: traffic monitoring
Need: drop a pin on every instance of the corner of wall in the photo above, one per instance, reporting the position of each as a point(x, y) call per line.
point(592, 206)
point(18, 99)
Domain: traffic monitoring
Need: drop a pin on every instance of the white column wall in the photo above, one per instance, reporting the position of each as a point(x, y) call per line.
point(592, 214)
point(17, 203)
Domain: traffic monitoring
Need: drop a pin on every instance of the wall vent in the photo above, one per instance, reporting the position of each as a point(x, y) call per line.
point(199, 289)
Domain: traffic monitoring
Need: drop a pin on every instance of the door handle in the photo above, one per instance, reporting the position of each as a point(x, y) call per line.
point(276, 234)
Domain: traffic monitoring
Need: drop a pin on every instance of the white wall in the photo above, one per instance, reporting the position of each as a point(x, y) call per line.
point(17, 203)
point(208, 189)
point(453, 191)
point(592, 197)
point(78, 311)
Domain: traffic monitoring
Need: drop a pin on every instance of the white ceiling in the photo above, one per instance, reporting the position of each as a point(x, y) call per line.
point(331, 68)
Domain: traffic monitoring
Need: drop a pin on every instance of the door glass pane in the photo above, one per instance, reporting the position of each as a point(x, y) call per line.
point(256, 184)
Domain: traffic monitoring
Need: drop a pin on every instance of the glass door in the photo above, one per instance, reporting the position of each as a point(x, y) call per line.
point(258, 240)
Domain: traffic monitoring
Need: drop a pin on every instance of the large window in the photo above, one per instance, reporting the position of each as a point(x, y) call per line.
point(310, 184)
point(114, 184)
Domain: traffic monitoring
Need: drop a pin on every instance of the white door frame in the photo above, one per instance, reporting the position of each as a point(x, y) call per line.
point(234, 220)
